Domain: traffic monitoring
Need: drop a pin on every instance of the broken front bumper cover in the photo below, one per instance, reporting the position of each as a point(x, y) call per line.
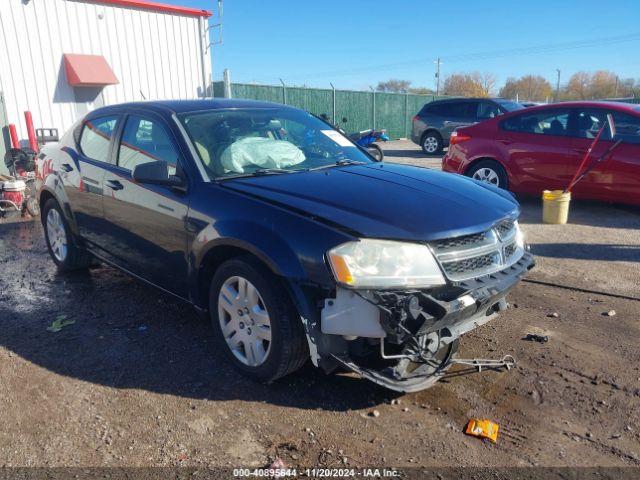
point(409, 317)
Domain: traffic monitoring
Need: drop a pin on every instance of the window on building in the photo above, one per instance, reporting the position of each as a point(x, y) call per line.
point(145, 141)
point(96, 137)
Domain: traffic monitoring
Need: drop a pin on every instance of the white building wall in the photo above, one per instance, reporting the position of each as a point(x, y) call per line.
point(154, 55)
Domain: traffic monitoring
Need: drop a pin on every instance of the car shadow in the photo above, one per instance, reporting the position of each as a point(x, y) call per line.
point(584, 212)
point(590, 251)
point(127, 334)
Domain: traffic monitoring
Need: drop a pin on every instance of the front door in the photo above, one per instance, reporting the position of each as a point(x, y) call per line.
point(148, 221)
point(617, 176)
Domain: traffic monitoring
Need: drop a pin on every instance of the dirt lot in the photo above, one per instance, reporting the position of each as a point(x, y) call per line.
point(134, 382)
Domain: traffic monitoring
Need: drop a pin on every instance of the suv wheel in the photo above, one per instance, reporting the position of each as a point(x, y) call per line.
point(489, 171)
point(61, 244)
point(432, 143)
point(255, 322)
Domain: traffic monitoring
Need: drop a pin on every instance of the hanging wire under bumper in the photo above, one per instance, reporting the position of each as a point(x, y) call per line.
point(505, 362)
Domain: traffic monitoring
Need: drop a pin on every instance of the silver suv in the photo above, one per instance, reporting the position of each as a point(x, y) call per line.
point(432, 126)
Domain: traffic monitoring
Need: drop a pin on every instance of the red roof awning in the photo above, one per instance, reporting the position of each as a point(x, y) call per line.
point(158, 7)
point(88, 70)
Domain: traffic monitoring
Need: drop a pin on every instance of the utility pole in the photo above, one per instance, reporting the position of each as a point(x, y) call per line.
point(437, 62)
point(558, 85)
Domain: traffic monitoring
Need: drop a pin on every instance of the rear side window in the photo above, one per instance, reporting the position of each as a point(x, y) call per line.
point(439, 109)
point(143, 141)
point(541, 122)
point(96, 136)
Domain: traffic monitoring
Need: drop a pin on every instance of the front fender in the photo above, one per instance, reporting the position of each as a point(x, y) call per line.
point(253, 238)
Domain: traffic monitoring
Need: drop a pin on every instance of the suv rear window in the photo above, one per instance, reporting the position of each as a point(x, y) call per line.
point(462, 109)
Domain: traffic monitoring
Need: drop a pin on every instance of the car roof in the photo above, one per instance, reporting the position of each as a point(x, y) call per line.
point(466, 99)
point(630, 107)
point(182, 106)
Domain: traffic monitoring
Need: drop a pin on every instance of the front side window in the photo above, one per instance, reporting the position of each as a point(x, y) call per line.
point(590, 121)
point(96, 137)
point(488, 110)
point(143, 141)
point(541, 122)
point(240, 142)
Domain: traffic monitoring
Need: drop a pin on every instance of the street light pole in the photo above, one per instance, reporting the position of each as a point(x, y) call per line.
point(558, 85)
point(437, 62)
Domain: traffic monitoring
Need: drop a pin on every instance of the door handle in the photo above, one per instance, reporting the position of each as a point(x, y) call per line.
point(504, 141)
point(579, 151)
point(114, 185)
point(66, 167)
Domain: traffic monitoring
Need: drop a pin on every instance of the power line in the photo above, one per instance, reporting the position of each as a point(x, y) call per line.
point(489, 54)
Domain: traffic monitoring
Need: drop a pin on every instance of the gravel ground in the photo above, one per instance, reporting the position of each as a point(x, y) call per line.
point(135, 382)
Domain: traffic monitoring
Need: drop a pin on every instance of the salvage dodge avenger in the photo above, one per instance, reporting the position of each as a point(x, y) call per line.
point(292, 239)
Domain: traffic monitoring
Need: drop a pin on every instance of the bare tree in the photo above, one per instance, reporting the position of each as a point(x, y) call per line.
point(394, 86)
point(528, 87)
point(474, 84)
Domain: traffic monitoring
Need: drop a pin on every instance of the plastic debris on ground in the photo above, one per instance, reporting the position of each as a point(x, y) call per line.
point(59, 323)
point(483, 429)
point(534, 337)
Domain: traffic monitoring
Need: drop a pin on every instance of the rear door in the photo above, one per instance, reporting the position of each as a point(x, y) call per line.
point(148, 221)
point(617, 177)
point(537, 145)
point(83, 175)
point(458, 114)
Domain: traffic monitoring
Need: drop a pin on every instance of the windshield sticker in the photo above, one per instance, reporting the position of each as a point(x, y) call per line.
point(336, 137)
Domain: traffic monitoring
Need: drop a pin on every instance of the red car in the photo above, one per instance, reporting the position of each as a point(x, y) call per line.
point(540, 148)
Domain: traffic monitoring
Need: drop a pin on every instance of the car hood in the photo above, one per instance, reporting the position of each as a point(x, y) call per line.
point(386, 200)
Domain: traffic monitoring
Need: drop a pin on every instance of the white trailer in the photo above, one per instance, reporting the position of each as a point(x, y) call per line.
point(62, 58)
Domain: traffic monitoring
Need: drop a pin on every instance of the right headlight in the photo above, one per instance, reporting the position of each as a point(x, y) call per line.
point(371, 263)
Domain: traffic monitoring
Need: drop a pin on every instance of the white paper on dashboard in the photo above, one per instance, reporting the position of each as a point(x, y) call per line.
point(336, 137)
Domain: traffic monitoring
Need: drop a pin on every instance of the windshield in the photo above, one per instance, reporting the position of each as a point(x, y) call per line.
point(260, 141)
point(510, 106)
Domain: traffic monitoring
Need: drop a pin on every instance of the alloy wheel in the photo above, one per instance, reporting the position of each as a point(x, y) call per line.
point(244, 321)
point(487, 175)
point(56, 235)
point(430, 144)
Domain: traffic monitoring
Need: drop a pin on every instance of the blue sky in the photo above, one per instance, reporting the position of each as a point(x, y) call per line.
point(355, 43)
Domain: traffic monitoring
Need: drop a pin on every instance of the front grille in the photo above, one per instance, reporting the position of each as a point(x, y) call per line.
point(459, 242)
point(471, 265)
point(478, 254)
point(505, 228)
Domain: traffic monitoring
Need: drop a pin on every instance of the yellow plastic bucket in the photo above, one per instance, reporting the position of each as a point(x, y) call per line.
point(555, 206)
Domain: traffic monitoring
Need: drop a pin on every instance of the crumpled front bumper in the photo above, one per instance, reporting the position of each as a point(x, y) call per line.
point(443, 314)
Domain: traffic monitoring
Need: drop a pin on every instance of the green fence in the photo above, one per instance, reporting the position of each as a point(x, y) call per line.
point(391, 111)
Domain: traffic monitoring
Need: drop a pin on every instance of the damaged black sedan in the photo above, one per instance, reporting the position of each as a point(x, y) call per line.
point(293, 240)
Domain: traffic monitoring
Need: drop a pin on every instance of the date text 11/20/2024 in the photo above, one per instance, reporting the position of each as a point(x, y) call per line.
point(317, 472)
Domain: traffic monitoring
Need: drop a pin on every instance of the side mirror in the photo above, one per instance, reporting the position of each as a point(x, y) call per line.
point(344, 119)
point(156, 173)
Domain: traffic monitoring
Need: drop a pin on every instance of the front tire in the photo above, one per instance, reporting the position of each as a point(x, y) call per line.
point(432, 143)
point(61, 244)
point(255, 322)
point(489, 171)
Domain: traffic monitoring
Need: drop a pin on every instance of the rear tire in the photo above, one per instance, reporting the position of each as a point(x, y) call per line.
point(61, 243)
point(263, 354)
point(376, 152)
point(432, 143)
point(489, 171)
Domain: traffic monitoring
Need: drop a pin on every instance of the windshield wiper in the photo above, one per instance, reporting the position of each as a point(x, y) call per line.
point(341, 163)
point(263, 171)
point(271, 171)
